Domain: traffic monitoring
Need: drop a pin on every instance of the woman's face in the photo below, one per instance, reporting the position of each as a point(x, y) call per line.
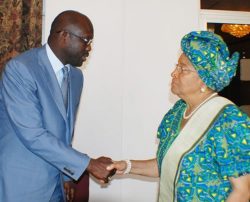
point(185, 79)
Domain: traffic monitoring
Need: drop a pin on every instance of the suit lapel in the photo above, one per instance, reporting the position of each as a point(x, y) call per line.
point(75, 89)
point(50, 79)
point(72, 98)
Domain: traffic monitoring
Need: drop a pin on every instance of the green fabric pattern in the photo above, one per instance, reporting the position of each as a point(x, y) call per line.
point(223, 152)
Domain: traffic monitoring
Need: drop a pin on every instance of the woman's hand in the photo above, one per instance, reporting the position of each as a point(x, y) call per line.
point(120, 166)
point(147, 168)
point(241, 189)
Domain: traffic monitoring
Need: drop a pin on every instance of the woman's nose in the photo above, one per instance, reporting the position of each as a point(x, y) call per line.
point(174, 74)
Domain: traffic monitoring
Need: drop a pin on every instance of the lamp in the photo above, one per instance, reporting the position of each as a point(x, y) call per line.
point(236, 30)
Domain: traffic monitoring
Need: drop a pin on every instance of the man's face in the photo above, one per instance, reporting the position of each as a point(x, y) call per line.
point(79, 44)
point(79, 48)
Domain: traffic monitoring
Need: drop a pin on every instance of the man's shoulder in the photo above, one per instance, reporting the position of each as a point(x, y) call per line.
point(25, 62)
point(26, 59)
point(28, 55)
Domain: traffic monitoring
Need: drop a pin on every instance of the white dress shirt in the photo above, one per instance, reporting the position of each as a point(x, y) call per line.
point(56, 64)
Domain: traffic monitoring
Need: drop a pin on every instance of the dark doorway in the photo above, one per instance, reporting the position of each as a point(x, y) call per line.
point(233, 5)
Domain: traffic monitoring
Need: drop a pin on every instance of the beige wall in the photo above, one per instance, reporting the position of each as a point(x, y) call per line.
point(126, 91)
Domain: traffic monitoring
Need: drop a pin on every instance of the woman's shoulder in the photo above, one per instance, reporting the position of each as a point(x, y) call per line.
point(231, 122)
point(233, 112)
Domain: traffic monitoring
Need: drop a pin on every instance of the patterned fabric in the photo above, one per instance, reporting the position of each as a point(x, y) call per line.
point(167, 131)
point(223, 151)
point(210, 56)
point(21, 27)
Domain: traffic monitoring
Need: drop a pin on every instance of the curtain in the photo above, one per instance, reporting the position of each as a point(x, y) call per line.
point(21, 27)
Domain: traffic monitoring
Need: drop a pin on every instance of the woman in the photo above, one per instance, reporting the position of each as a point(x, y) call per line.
point(204, 152)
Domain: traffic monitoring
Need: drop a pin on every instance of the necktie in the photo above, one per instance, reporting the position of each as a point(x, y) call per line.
point(64, 86)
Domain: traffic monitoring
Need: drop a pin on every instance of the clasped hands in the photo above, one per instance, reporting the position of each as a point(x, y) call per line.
point(102, 168)
point(98, 168)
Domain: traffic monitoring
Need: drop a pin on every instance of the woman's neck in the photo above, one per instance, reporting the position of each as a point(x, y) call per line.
point(196, 101)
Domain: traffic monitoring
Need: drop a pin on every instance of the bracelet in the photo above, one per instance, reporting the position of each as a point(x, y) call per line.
point(129, 166)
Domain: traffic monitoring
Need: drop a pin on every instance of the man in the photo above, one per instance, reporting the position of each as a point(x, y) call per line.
point(39, 95)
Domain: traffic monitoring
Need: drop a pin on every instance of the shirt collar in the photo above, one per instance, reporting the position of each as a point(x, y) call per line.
point(56, 64)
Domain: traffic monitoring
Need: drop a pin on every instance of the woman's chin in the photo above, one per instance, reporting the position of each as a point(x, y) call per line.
point(173, 90)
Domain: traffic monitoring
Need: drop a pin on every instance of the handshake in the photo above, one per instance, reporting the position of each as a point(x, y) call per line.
point(103, 168)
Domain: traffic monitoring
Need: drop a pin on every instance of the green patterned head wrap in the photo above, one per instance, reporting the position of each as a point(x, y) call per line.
point(209, 55)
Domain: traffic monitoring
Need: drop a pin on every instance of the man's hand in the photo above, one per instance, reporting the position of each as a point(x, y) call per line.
point(97, 167)
point(69, 189)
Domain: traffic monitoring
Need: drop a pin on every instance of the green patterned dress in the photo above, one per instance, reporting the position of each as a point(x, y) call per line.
point(224, 152)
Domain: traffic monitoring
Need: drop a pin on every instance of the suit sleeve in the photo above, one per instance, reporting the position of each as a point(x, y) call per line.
point(24, 111)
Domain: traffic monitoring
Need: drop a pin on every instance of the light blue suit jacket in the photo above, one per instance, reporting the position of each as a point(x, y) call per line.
point(35, 132)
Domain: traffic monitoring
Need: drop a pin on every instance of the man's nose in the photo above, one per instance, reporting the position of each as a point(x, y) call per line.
point(88, 48)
